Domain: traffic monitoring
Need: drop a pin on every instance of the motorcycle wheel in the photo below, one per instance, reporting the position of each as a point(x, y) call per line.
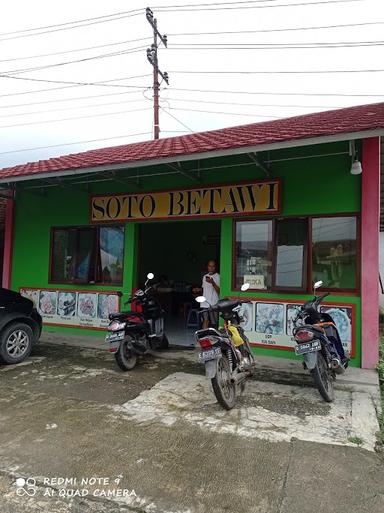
point(323, 379)
point(126, 359)
point(224, 389)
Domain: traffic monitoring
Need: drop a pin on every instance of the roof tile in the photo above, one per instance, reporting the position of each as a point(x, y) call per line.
point(352, 119)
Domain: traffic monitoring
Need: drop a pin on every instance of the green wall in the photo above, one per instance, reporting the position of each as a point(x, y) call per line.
point(321, 185)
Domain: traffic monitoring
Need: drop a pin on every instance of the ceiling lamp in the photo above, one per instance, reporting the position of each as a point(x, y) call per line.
point(356, 168)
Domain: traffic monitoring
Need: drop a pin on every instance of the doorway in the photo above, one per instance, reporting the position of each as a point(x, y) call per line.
point(177, 253)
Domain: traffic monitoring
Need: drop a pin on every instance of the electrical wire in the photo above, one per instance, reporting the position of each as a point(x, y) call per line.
point(188, 100)
point(92, 106)
point(287, 29)
point(16, 105)
point(295, 72)
point(72, 118)
point(84, 59)
point(61, 27)
point(38, 56)
point(176, 119)
point(104, 83)
point(226, 113)
point(273, 46)
point(72, 143)
point(274, 93)
point(211, 7)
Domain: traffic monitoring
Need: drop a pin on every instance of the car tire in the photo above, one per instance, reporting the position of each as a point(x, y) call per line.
point(15, 343)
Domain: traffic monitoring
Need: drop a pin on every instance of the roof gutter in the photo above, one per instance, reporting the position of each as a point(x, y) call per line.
point(197, 156)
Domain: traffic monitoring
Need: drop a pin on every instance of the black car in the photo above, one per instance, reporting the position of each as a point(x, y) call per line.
point(20, 326)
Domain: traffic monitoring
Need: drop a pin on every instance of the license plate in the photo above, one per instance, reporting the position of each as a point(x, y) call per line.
point(308, 347)
point(115, 336)
point(211, 354)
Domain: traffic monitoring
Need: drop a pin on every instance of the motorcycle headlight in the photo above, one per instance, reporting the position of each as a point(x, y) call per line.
point(117, 326)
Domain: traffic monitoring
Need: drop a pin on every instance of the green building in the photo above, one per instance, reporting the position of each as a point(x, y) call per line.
point(278, 204)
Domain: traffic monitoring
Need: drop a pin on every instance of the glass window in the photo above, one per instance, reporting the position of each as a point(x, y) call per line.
point(111, 248)
point(334, 251)
point(87, 255)
point(63, 255)
point(254, 254)
point(291, 236)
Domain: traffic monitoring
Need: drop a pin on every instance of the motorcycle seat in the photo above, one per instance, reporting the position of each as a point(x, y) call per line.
point(122, 316)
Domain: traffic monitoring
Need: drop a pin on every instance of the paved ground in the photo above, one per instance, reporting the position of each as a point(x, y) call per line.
point(154, 440)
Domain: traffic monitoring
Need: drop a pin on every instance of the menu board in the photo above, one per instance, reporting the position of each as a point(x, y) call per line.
point(83, 309)
point(270, 323)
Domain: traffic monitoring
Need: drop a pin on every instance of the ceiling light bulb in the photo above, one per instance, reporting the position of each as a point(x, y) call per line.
point(356, 168)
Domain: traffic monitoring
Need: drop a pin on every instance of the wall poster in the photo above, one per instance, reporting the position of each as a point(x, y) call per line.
point(269, 323)
point(73, 308)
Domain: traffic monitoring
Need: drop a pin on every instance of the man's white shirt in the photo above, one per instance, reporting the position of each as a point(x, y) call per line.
point(209, 291)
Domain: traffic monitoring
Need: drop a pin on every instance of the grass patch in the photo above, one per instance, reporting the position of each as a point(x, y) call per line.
point(355, 440)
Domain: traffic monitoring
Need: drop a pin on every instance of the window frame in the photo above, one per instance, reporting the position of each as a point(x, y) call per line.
point(307, 268)
point(95, 252)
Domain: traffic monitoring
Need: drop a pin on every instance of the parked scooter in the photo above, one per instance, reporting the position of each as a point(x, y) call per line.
point(136, 333)
point(226, 352)
point(318, 340)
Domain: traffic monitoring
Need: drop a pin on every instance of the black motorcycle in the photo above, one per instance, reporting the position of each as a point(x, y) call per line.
point(318, 341)
point(226, 352)
point(134, 333)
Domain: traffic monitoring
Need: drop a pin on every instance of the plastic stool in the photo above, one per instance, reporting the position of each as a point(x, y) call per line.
point(193, 318)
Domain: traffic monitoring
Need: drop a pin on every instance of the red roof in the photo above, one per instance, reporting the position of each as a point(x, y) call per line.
point(334, 122)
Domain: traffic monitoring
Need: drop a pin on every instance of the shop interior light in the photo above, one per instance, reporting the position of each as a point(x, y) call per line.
point(356, 168)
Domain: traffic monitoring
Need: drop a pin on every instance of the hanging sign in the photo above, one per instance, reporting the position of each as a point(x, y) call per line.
point(262, 197)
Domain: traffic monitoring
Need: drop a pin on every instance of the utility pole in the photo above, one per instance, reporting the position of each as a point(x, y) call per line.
point(152, 58)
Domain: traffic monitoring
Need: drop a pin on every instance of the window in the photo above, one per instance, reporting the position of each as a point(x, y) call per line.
point(334, 251)
point(87, 255)
point(291, 236)
point(283, 254)
point(254, 254)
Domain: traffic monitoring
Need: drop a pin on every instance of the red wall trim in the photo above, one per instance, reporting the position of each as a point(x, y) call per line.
point(370, 228)
point(8, 243)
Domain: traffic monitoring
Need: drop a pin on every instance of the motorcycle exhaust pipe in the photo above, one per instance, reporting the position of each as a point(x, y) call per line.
point(336, 366)
point(240, 377)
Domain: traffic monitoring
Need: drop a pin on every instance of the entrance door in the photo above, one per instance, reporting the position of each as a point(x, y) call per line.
point(177, 253)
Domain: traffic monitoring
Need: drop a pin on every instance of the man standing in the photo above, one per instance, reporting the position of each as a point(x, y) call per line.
point(211, 291)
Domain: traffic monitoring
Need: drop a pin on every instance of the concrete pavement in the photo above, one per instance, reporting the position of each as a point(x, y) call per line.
point(70, 413)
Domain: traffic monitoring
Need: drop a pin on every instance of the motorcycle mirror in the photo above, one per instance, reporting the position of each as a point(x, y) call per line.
point(150, 276)
point(245, 286)
point(201, 299)
point(317, 285)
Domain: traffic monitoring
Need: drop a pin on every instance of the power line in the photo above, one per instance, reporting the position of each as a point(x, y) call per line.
point(30, 32)
point(227, 113)
point(67, 99)
point(29, 104)
point(222, 6)
point(84, 59)
point(246, 72)
point(273, 46)
point(104, 83)
point(72, 143)
point(72, 118)
point(276, 93)
point(92, 106)
point(176, 119)
point(74, 50)
point(188, 100)
point(287, 29)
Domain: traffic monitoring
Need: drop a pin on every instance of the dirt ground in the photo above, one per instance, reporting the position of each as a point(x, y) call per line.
point(84, 437)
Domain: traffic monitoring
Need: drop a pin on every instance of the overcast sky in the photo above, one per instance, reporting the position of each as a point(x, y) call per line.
point(124, 107)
